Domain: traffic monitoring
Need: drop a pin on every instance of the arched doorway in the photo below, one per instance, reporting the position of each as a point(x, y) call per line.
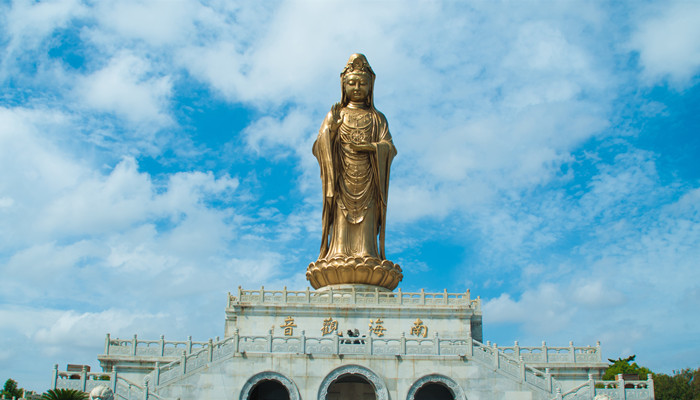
point(351, 387)
point(435, 387)
point(269, 385)
point(269, 390)
point(352, 382)
point(434, 391)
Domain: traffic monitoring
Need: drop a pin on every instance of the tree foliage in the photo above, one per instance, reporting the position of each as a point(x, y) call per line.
point(623, 366)
point(64, 394)
point(11, 389)
point(682, 385)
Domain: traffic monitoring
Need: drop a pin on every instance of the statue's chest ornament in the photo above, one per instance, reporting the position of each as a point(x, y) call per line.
point(358, 126)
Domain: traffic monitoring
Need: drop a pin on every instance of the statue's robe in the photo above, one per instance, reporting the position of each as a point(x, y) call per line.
point(345, 232)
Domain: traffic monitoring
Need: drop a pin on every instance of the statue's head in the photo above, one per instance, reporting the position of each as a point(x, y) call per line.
point(101, 392)
point(357, 80)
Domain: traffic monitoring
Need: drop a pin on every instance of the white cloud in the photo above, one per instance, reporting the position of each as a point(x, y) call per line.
point(666, 39)
point(27, 24)
point(127, 88)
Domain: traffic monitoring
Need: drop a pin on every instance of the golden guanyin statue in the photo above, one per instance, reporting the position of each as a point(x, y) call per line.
point(354, 150)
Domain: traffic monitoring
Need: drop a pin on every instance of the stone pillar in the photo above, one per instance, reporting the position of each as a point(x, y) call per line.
point(54, 377)
point(107, 340)
point(134, 342)
point(620, 387)
point(162, 345)
point(113, 378)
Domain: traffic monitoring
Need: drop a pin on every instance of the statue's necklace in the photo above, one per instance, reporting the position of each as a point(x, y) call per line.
point(357, 124)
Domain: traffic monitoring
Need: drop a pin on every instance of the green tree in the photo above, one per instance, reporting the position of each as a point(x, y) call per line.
point(64, 394)
point(682, 385)
point(11, 389)
point(623, 366)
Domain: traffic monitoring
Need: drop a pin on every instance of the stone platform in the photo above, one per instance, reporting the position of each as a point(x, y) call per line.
point(352, 342)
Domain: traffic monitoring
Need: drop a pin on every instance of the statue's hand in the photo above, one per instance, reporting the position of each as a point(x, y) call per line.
point(362, 147)
point(336, 119)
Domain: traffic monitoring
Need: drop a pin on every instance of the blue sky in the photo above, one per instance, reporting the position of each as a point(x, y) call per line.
point(157, 155)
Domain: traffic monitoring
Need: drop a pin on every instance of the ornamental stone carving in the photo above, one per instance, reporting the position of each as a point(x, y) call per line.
point(451, 385)
point(101, 392)
point(270, 376)
point(380, 390)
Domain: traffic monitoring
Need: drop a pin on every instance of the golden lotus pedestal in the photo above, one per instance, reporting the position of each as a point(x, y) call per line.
point(354, 271)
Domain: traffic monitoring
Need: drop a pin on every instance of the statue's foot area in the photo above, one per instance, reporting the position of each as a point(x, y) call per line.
point(354, 270)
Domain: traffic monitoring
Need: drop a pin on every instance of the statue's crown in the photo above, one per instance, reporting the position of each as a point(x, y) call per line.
point(357, 64)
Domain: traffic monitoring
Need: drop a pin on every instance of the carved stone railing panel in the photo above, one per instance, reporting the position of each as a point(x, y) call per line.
point(263, 296)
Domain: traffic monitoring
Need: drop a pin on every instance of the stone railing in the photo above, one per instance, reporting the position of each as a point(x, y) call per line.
point(621, 389)
point(86, 381)
point(334, 345)
point(80, 380)
point(353, 296)
point(618, 389)
point(547, 354)
point(151, 348)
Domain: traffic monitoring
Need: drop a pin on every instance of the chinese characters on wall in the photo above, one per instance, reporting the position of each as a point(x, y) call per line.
point(376, 327)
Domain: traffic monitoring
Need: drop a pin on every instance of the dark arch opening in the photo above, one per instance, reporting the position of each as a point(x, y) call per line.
point(269, 389)
point(434, 391)
point(351, 387)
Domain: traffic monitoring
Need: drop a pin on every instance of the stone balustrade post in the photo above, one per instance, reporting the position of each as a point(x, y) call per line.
point(330, 292)
point(83, 378)
point(145, 389)
point(469, 297)
point(470, 345)
point(650, 385)
point(156, 373)
point(598, 351)
point(369, 344)
point(559, 394)
point(134, 343)
point(548, 379)
point(516, 349)
point(422, 296)
point(269, 341)
point(113, 379)
point(107, 340)
point(183, 362)
point(308, 295)
point(54, 377)
point(446, 297)
point(591, 385)
point(162, 345)
point(545, 355)
point(302, 343)
point(496, 357)
point(400, 297)
point(211, 350)
point(284, 294)
point(262, 294)
point(189, 344)
point(522, 368)
point(620, 387)
point(236, 341)
point(572, 352)
point(402, 349)
point(336, 344)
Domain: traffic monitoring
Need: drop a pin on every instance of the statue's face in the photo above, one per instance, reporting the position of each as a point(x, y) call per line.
point(357, 87)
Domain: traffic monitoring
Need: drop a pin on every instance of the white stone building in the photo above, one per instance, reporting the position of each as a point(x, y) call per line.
point(349, 343)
